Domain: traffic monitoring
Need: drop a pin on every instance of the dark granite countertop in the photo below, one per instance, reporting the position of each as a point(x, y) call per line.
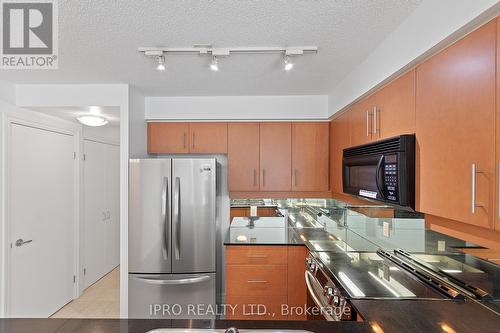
point(145, 325)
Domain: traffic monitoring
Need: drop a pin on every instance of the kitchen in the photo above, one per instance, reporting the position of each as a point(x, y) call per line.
point(312, 184)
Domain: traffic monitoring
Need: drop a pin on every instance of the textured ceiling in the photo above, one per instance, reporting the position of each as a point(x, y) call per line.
point(98, 43)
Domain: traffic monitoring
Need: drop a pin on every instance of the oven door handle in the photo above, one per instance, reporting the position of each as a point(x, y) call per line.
point(309, 280)
point(377, 176)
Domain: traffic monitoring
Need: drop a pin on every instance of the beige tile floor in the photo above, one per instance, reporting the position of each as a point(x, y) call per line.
point(100, 300)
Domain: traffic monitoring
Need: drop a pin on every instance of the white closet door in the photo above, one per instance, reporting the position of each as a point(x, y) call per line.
point(113, 206)
point(94, 179)
point(41, 212)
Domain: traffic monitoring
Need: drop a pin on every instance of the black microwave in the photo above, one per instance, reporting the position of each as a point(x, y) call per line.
point(382, 171)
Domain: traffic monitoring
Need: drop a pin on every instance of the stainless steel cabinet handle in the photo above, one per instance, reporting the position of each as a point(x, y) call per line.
point(474, 172)
point(175, 282)
point(375, 124)
point(257, 256)
point(256, 281)
point(165, 214)
point(263, 177)
point(498, 191)
point(192, 145)
point(254, 177)
point(177, 216)
point(21, 242)
point(367, 123)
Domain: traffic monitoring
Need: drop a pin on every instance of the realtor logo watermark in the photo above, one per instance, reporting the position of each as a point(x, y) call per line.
point(29, 38)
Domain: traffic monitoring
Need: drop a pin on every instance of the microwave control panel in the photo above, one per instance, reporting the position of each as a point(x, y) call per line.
point(391, 181)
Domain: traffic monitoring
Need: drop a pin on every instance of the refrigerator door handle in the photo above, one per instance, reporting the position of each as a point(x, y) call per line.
point(177, 216)
point(174, 282)
point(165, 214)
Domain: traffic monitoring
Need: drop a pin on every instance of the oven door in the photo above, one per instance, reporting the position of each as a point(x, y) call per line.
point(363, 176)
point(315, 293)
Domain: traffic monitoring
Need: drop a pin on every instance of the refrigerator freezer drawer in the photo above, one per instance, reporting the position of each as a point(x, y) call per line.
point(171, 296)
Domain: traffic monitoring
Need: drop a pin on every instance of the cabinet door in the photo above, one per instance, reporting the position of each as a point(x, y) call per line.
point(395, 108)
point(456, 129)
point(208, 137)
point(275, 156)
point(497, 197)
point(310, 146)
point(361, 121)
point(340, 134)
point(243, 156)
point(168, 138)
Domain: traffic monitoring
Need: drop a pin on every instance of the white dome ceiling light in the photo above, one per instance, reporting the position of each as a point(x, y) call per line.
point(215, 53)
point(92, 120)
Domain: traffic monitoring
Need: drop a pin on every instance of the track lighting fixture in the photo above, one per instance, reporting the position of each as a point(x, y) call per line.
point(208, 50)
point(287, 63)
point(214, 65)
point(161, 63)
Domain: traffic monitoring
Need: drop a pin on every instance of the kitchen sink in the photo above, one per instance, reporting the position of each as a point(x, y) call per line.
point(229, 330)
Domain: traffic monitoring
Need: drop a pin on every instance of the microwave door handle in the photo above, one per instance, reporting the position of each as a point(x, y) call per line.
point(377, 176)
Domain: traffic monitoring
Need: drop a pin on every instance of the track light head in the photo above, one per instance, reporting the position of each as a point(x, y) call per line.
point(287, 63)
point(161, 63)
point(214, 65)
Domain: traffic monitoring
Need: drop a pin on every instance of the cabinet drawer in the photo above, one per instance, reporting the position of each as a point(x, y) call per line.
point(256, 280)
point(256, 254)
point(247, 308)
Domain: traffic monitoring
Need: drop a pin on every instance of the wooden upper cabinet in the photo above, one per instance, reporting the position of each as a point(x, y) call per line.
point(361, 121)
point(497, 182)
point(310, 148)
point(168, 138)
point(208, 138)
point(243, 156)
point(455, 128)
point(275, 156)
point(395, 108)
point(340, 139)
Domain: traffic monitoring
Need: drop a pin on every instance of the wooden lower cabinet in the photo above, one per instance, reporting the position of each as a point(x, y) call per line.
point(265, 282)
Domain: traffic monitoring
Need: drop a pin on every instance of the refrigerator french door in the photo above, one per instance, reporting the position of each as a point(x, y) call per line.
point(172, 237)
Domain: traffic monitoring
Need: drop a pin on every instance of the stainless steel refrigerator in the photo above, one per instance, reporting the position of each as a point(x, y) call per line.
point(172, 237)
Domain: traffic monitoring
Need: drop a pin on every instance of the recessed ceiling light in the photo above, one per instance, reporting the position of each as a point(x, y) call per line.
point(288, 65)
point(92, 120)
point(214, 65)
point(161, 63)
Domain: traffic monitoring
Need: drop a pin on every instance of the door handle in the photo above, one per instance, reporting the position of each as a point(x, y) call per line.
point(177, 215)
point(368, 123)
point(375, 124)
point(474, 172)
point(254, 177)
point(165, 214)
point(21, 242)
point(192, 145)
point(499, 190)
point(175, 282)
point(263, 177)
